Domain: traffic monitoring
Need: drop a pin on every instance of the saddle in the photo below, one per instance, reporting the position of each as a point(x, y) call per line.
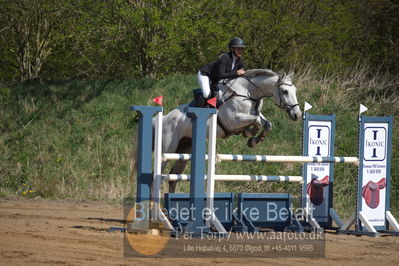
point(315, 189)
point(371, 193)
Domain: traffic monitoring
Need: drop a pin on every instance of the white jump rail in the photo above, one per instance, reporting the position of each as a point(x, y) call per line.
point(265, 178)
point(266, 158)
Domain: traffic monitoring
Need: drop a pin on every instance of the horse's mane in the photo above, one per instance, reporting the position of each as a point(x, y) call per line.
point(252, 73)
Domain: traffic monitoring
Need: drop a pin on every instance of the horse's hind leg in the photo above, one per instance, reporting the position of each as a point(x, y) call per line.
point(179, 166)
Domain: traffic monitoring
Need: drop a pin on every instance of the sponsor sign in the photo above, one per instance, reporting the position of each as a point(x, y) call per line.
point(374, 172)
point(318, 141)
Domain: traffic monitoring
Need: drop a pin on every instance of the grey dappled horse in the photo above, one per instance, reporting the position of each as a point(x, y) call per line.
point(242, 99)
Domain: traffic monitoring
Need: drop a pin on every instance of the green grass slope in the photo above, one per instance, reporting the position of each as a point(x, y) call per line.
point(73, 139)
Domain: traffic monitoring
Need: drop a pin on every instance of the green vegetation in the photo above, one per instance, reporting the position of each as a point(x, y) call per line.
point(74, 39)
point(73, 139)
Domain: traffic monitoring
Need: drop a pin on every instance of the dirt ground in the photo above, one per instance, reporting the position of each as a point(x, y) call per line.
point(37, 231)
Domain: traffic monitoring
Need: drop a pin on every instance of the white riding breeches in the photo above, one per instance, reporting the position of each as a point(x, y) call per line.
point(205, 84)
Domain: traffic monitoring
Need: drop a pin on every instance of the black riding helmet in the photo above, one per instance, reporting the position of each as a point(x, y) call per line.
point(237, 43)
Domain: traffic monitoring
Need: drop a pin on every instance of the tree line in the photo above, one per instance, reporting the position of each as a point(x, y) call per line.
point(54, 40)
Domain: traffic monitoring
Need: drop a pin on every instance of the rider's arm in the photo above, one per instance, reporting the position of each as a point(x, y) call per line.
point(222, 67)
point(240, 67)
point(241, 64)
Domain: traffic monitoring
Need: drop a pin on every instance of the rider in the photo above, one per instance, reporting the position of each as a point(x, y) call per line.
point(229, 65)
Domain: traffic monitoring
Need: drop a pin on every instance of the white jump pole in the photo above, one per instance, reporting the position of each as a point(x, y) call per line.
point(178, 157)
point(210, 184)
point(266, 158)
point(263, 178)
point(287, 158)
point(156, 214)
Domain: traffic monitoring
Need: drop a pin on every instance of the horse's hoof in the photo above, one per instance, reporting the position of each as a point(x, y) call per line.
point(251, 142)
point(254, 130)
point(246, 133)
point(267, 126)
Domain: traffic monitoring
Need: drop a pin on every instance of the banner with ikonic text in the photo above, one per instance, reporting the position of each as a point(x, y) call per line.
point(375, 147)
point(319, 133)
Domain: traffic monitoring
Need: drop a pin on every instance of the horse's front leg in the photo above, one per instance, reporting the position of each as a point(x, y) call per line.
point(250, 131)
point(241, 120)
point(267, 126)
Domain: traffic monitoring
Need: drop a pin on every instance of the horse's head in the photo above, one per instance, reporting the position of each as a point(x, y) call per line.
point(285, 96)
point(253, 87)
point(267, 83)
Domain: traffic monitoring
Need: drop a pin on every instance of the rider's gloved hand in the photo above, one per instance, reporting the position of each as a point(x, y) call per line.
point(241, 72)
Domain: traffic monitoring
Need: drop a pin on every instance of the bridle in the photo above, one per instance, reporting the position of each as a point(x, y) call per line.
point(284, 105)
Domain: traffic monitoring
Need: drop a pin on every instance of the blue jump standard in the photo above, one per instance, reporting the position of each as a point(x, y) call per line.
point(144, 162)
point(196, 225)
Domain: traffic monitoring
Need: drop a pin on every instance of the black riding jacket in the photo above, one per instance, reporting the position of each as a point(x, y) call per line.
point(221, 68)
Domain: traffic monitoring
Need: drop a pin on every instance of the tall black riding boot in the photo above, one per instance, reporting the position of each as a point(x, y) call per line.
point(201, 101)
